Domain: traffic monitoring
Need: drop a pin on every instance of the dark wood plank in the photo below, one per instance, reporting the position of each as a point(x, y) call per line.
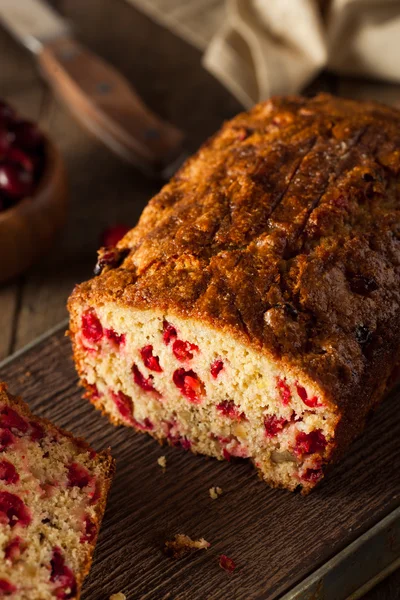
point(276, 538)
point(389, 589)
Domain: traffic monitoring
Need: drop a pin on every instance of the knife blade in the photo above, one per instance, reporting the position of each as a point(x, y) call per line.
point(93, 90)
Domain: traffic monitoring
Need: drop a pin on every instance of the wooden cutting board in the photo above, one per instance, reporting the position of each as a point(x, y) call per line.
point(276, 538)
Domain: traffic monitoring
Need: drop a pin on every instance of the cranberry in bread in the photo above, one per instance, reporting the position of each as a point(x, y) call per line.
point(53, 491)
point(254, 311)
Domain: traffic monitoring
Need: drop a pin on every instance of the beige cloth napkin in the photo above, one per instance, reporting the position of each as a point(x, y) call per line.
point(258, 48)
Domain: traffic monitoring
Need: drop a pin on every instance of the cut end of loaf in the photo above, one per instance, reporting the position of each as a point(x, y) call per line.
point(197, 387)
point(53, 490)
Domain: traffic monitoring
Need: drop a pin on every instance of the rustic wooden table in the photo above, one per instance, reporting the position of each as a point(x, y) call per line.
point(168, 74)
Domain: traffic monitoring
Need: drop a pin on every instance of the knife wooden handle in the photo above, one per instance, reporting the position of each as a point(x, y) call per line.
point(106, 104)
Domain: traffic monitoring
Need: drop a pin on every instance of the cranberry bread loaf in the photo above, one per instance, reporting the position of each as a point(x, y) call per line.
point(53, 491)
point(254, 310)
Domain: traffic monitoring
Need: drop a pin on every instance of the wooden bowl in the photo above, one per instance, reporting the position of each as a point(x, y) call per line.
point(28, 229)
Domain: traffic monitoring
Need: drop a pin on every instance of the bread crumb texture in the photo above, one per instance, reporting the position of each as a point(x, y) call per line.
point(162, 461)
point(183, 544)
point(53, 491)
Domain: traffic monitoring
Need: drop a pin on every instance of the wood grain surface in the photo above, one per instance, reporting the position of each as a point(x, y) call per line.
point(275, 537)
point(168, 74)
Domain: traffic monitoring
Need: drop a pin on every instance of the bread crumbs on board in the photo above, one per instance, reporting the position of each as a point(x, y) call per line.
point(162, 461)
point(215, 492)
point(183, 544)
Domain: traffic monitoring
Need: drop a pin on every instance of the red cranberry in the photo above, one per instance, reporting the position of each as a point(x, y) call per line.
point(124, 404)
point(78, 476)
point(189, 384)
point(15, 182)
point(169, 332)
point(92, 329)
point(10, 419)
point(95, 391)
point(6, 139)
point(6, 439)
point(19, 158)
point(150, 361)
point(226, 454)
point(185, 443)
point(8, 473)
point(284, 391)
point(37, 431)
point(141, 381)
point(310, 402)
point(110, 257)
point(112, 235)
point(27, 136)
point(114, 337)
point(312, 475)
point(89, 530)
point(229, 409)
point(274, 425)
point(94, 492)
point(310, 443)
point(216, 367)
point(13, 511)
point(177, 440)
point(183, 350)
point(239, 451)
point(147, 425)
point(6, 588)
point(226, 563)
point(62, 576)
point(14, 549)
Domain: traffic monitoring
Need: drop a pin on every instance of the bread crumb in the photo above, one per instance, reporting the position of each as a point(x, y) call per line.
point(119, 596)
point(162, 461)
point(183, 544)
point(215, 492)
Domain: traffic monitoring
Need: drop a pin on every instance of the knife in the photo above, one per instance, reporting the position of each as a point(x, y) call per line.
point(94, 91)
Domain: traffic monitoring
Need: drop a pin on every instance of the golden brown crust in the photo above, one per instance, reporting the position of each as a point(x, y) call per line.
point(284, 230)
point(102, 458)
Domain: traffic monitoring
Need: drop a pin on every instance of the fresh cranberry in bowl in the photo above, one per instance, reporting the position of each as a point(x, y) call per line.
point(32, 193)
point(6, 140)
point(15, 182)
point(28, 137)
point(7, 114)
point(22, 156)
